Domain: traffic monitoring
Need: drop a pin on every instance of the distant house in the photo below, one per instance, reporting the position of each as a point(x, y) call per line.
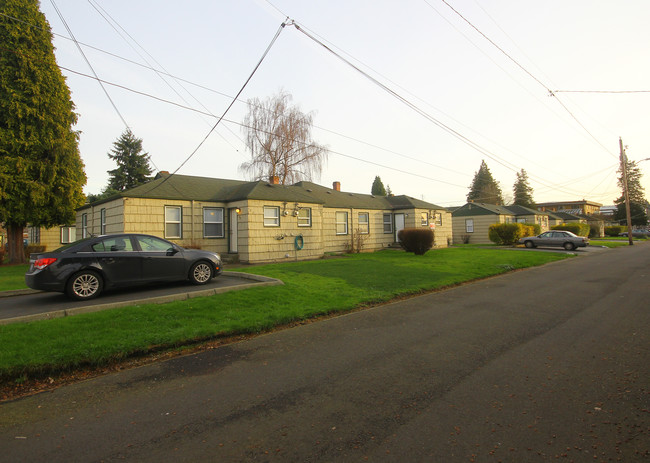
point(472, 221)
point(51, 238)
point(261, 221)
point(572, 207)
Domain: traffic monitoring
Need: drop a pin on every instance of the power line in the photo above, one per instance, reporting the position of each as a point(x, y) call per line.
point(531, 75)
point(601, 91)
point(88, 62)
point(259, 63)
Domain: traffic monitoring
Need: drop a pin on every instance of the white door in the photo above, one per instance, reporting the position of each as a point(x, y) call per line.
point(232, 238)
point(399, 225)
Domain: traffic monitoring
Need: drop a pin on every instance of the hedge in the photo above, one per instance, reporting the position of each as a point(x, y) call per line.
point(510, 233)
point(580, 229)
point(416, 240)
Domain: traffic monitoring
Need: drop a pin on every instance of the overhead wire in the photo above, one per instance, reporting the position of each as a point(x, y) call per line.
point(58, 12)
point(241, 90)
point(160, 70)
point(531, 75)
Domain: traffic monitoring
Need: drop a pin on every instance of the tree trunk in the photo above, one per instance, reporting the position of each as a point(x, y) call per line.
point(15, 241)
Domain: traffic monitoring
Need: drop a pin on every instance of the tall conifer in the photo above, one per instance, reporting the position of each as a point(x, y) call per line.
point(484, 189)
point(41, 172)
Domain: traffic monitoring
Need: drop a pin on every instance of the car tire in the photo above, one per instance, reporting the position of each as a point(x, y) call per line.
point(569, 246)
point(529, 244)
point(84, 285)
point(201, 273)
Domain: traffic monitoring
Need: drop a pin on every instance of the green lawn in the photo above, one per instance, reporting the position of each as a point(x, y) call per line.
point(311, 288)
point(12, 277)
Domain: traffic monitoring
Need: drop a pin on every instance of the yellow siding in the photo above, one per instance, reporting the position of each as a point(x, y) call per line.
point(256, 242)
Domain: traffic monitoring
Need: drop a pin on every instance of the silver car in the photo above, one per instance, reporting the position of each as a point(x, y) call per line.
point(565, 239)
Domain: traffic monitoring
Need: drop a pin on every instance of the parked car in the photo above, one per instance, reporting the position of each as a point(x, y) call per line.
point(566, 239)
point(637, 233)
point(85, 268)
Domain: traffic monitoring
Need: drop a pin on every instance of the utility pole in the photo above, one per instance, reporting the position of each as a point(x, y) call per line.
point(625, 191)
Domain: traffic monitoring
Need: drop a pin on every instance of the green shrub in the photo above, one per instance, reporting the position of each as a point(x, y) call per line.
point(580, 229)
point(508, 233)
point(416, 240)
point(614, 231)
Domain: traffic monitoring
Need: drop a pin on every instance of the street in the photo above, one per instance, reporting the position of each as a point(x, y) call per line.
point(550, 363)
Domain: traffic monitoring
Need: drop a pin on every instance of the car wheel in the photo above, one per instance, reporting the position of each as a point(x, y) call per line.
point(569, 246)
point(200, 273)
point(529, 244)
point(84, 285)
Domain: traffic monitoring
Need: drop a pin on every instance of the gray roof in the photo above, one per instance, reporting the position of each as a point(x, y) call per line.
point(185, 187)
point(472, 209)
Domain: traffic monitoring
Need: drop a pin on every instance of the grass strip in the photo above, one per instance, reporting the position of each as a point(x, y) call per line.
point(311, 288)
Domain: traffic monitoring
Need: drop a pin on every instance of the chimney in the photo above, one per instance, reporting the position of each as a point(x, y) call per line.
point(336, 186)
point(275, 180)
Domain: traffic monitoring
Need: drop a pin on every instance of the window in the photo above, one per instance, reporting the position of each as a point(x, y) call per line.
point(152, 244)
point(34, 235)
point(424, 219)
point(304, 217)
point(438, 218)
point(469, 225)
point(388, 223)
point(84, 225)
point(271, 216)
point(364, 223)
point(341, 223)
point(213, 222)
point(113, 244)
point(173, 221)
point(102, 227)
point(68, 235)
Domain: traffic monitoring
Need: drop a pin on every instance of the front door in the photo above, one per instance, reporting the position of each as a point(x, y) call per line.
point(232, 234)
point(399, 225)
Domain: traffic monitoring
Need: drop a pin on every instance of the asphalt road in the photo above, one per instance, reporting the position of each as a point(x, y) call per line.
point(547, 364)
point(49, 304)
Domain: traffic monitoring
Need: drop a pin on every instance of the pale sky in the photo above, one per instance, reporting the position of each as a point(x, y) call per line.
point(472, 101)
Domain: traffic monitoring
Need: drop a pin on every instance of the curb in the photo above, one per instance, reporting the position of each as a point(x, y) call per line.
point(256, 281)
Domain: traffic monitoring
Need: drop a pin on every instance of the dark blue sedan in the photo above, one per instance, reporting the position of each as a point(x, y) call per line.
point(85, 268)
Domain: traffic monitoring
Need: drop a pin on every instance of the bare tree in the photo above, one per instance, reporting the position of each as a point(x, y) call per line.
point(278, 136)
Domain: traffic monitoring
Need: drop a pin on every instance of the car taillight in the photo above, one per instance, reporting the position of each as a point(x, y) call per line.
point(44, 262)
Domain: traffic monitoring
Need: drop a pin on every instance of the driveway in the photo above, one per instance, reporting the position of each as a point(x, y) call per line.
point(547, 364)
point(34, 305)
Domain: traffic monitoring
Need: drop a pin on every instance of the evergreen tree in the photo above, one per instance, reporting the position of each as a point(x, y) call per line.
point(132, 164)
point(635, 192)
point(522, 190)
point(484, 189)
point(378, 187)
point(41, 172)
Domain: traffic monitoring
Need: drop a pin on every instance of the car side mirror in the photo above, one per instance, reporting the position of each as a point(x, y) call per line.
point(172, 251)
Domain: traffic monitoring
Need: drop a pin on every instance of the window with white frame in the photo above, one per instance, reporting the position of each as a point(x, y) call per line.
point(173, 221)
point(84, 225)
point(213, 222)
point(424, 219)
point(469, 225)
point(438, 218)
point(68, 235)
point(271, 216)
point(364, 223)
point(304, 217)
point(388, 223)
point(34, 235)
point(341, 223)
point(102, 227)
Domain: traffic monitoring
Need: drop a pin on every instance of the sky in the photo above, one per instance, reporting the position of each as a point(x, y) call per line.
point(418, 92)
